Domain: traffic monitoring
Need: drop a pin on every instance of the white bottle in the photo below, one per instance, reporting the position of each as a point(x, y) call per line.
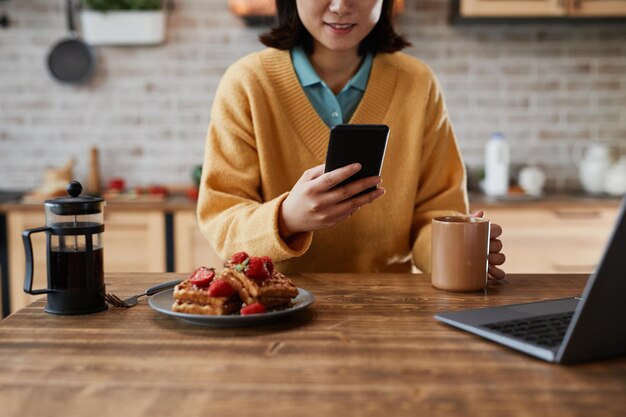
point(497, 159)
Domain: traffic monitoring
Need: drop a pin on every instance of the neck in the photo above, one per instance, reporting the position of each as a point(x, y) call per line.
point(335, 68)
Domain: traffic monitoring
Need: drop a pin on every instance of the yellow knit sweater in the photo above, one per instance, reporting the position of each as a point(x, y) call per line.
point(264, 133)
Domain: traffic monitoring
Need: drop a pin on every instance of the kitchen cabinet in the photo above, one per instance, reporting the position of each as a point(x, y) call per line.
point(191, 250)
point(542, 8)
point(133, 242)
point(598, 8)
point(500, 8)
point(558, 239)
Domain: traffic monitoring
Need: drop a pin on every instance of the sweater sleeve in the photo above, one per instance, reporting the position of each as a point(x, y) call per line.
point(231, 212)
point(442, 182)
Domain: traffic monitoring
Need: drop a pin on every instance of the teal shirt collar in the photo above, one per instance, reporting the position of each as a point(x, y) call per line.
point(308, 76)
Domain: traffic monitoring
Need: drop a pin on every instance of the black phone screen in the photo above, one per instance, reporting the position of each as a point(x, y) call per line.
point(364, 143)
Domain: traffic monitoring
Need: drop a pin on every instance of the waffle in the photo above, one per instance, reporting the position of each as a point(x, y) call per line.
point(276, 291)
point(192, 300)
point(230, 306)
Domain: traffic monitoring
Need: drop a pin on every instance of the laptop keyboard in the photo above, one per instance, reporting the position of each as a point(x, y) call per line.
point(546, 331)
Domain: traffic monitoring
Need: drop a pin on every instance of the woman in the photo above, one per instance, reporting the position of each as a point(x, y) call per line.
point(263, 187)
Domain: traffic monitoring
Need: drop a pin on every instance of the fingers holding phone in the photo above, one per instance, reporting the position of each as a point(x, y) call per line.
point(356, 195)
point(316, 202)
point(329, 194)
point(355, 190)
point(336, 184)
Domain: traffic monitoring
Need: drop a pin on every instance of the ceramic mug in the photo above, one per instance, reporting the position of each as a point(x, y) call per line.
point(531, 179)
point(460, 247)
point(593, 162)
point(615, 178)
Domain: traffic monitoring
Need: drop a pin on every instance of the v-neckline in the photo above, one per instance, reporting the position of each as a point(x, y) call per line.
point(307, 123)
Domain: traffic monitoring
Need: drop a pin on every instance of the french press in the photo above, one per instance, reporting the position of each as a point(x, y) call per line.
point(74, 227)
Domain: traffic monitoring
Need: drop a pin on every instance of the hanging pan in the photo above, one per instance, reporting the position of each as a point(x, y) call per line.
point(71, 60)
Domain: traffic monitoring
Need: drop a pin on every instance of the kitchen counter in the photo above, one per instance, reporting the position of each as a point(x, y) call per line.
point(368, 346)
point(170, 204)
point(152, 235)
point(548, 201)
point(477, 200)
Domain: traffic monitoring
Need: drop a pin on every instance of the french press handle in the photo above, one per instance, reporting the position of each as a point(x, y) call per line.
point(28, 249)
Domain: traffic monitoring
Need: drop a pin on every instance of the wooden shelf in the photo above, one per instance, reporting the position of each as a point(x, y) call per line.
point(547, 11)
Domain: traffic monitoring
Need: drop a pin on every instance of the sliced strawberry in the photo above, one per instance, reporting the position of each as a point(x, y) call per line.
point(269, 264)
point(239, 257)
point(221, 288)
point(256, 308)
point(257, 269)
point(202, 277)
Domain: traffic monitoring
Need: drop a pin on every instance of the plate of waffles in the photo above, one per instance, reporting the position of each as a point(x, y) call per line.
point(247, 291)
point(162, 302)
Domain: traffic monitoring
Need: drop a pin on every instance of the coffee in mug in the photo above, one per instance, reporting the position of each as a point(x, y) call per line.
point(460, 247)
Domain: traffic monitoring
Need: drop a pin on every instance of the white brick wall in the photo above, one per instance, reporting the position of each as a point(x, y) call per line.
point(548, 87)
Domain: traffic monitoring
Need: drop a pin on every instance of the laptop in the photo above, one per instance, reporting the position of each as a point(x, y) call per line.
point(570, 330)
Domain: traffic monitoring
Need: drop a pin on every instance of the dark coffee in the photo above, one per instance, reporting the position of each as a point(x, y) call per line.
point(68, 269)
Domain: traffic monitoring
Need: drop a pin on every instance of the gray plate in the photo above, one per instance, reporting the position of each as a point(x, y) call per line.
point(162, 302)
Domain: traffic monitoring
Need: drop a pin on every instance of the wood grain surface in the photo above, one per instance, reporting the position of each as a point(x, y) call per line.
point(368, 346)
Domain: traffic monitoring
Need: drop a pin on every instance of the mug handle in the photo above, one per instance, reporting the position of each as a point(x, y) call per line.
point(28, 249)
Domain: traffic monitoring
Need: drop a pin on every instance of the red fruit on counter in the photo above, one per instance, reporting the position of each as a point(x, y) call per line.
point(157, 190)
point(257, 269)
point(193, 194)
point(202, 277)
point(256, 308)
point(269, 264)
point(221, 288)
point(239, 257)
point(117, 184)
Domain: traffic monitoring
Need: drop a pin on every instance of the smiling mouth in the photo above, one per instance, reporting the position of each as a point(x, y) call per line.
point(341, 26)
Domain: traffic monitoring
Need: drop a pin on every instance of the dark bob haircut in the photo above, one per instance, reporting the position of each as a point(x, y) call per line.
point(290, 31)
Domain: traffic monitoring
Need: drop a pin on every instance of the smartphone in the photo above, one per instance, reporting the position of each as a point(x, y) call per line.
point(364, 143)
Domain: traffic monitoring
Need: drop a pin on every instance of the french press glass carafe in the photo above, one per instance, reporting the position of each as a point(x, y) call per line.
point(74, 227)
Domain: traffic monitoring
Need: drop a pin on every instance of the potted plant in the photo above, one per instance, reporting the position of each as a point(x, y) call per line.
point(123, 22)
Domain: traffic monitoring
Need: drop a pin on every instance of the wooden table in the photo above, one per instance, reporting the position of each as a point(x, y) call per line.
point(368, 346)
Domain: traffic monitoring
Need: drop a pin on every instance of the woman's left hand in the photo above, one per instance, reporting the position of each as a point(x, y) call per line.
point(496, 258)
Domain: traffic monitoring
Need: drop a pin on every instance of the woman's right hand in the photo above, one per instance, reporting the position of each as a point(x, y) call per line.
point(313, 203)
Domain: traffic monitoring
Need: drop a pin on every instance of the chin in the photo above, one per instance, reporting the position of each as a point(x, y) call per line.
point(341, 46)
